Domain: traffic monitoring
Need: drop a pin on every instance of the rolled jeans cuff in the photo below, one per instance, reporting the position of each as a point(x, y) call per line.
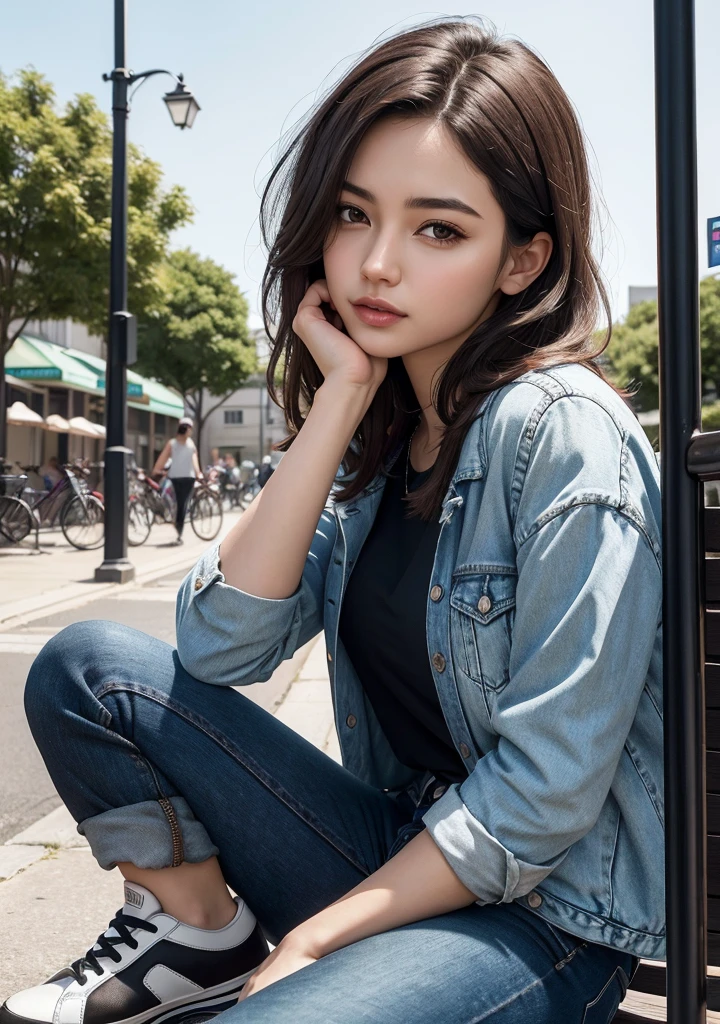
point(141, 834)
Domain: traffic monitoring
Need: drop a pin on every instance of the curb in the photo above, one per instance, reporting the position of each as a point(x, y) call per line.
point(74, 595)
point(56, 829)
point(17, 858)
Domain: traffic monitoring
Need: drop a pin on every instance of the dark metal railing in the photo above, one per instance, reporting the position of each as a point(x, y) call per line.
point(683, 451)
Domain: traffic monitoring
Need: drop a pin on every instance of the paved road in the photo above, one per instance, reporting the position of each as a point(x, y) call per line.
point(26, 792)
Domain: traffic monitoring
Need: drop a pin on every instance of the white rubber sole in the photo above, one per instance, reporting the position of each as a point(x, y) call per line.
point(211, 1002)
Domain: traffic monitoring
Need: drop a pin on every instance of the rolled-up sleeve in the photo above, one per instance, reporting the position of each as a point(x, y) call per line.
point(229, 637)
point(587, 613)
point(582, 642)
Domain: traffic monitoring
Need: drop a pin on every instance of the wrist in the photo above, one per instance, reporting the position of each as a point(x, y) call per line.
point(353, 399)
point(305, 940)
point(343, 390)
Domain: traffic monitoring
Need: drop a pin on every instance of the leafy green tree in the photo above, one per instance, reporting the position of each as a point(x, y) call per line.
point(198, 340)
point(55, 187)
point(632, 355)
point(710, 333)
point(711, 416)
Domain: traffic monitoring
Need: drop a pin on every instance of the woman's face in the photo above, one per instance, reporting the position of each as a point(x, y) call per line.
point(418, 227)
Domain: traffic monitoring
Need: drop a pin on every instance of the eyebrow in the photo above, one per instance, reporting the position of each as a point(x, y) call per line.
point(419, 202)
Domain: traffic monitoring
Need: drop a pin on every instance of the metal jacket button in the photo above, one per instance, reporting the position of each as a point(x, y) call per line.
point(438, 792)
point(464, 750)
point(534, 900)
point(484, 604)
point(438, 661)
point(329, 656)
point(351, 721)
point(437, 592)
point(198, 582)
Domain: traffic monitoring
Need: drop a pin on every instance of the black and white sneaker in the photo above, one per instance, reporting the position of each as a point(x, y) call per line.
point(147, 967)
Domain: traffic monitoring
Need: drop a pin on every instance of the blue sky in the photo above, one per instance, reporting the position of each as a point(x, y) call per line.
point(257, 67)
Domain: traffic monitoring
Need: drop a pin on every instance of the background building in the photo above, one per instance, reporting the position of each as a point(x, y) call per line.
point(248, 423)
point(641, 293)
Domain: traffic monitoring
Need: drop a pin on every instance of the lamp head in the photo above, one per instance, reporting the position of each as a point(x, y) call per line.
point(182, 105)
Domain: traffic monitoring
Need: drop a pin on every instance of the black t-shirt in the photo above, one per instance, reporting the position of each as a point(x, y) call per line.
point(382, 626)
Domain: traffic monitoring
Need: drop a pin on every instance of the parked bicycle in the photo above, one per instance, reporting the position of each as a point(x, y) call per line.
point(226, 484)
point(205, 511)
point(158, 499)
point(157, 502)
point(140, 516)
point(79, 511)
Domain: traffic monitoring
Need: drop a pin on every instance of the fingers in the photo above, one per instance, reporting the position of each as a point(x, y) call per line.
point(317, 293)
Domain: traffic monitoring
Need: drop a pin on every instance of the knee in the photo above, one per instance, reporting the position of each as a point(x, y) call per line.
point(62, 666)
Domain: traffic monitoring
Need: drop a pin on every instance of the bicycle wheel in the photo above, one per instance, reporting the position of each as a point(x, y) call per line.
point(206, 514)
point(157, 509)
point(82, 522)
point(140, 521)
point(16, 519)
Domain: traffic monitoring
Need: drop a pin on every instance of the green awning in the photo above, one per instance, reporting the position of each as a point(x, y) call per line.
point(32, 358)
point(35, 359)
point(97, 365)
point(148, 394)
point(161, 399)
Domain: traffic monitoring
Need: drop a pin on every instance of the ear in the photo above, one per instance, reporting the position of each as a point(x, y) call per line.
point(525, 263)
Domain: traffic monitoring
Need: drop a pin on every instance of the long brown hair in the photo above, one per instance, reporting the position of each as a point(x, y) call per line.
point(511, 117)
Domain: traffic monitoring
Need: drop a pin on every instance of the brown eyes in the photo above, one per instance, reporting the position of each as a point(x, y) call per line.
point(449, 233)
point(438, 224)
point(351, 210)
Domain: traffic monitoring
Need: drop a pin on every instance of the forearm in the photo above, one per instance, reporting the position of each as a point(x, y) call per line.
point(161, 460)
point(264, 554)
point(415, 884)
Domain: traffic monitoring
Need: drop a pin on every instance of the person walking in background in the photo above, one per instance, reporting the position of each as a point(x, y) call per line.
point(184, 469)
point(217, 461)
point(232, 467)
point(216, 469)
point(266, 470)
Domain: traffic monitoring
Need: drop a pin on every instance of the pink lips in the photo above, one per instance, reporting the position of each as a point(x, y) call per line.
point(376, 317)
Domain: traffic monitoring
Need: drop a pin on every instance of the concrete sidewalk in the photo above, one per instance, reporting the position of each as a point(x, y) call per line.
point(59, 576)
point(56, 900)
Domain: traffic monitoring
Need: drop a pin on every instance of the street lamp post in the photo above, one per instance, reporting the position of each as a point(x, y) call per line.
point(183, 107)
point(683, 541)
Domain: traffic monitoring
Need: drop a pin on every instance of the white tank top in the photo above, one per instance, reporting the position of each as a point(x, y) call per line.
point(182, 458)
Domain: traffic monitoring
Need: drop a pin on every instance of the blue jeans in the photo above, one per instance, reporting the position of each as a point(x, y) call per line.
point(157, 767)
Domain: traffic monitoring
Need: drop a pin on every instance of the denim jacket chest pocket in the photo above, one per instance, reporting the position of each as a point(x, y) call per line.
point(482, 616)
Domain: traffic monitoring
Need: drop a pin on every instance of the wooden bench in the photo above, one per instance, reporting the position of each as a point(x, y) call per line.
point(646, 999)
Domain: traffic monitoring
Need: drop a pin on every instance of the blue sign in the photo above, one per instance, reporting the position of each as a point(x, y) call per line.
point(37, 373)
point(713, 238)
point(133, 390)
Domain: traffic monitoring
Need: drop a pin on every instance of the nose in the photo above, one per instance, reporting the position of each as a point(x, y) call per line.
point(381, 262)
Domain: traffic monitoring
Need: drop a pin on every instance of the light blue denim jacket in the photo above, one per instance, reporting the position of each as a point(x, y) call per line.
point(544, 637)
